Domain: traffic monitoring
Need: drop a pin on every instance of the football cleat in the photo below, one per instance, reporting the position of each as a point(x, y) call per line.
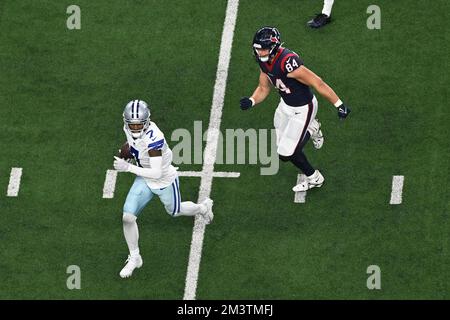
point(208, 215)
point(319, 20)
point(131, 264)
point(316, 134)
point(314, 181)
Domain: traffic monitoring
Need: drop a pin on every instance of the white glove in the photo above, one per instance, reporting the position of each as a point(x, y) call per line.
point(121, 165)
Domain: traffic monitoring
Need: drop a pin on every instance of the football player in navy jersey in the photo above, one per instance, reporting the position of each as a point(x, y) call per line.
point(295, 117)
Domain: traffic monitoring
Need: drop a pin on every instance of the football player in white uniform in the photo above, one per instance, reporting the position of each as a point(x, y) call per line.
point(155, 175)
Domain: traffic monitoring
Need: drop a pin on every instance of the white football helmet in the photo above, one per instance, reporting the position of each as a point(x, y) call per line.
point(136, 117)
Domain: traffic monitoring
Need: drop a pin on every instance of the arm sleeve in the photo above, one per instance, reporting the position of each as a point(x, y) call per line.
point(291, 63)
point(155, 172)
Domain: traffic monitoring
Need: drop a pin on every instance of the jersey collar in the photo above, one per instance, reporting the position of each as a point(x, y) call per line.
point(270, 66)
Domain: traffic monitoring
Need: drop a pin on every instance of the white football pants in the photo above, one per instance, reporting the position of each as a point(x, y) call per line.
point(291, 125)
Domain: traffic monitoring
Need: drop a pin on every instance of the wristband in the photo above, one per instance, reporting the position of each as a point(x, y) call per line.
point(338, 103)
point(252, 100)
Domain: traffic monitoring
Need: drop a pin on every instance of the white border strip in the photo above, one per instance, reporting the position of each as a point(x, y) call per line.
point(211, 146)
point(110, 184)
point(397, 189)
point(14, 182)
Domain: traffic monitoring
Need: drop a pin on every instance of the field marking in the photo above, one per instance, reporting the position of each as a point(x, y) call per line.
point(217, 174)
point(211, 146)
point(397, 189)
point(14, 182)
point(110, 184)
point(300, 196)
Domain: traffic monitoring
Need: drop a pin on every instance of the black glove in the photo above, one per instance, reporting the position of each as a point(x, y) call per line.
point(246, 103)
point(343, 111)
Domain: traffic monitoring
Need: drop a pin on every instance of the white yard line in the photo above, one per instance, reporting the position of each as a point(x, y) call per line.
point(397, 189)
point(110, 184)
point(14, 182)
point(300, 197)
point(217, 174)
point(211, 146)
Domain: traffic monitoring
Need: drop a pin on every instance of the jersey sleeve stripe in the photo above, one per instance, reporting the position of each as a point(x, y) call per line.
point(156, 144)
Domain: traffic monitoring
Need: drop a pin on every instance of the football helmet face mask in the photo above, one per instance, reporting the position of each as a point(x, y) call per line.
point(266, 38)
point(136, 117)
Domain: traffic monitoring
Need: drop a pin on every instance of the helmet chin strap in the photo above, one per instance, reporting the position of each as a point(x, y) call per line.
point(264, 59)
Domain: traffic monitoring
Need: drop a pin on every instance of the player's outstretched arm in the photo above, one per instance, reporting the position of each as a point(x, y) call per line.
point(261, 92)
point(154, 172)
point(306, 76)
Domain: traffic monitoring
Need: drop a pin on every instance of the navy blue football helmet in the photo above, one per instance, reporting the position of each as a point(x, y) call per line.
point(266, 38)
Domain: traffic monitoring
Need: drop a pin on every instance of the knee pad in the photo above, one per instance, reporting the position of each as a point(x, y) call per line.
point(128, 218)
point(284, 158)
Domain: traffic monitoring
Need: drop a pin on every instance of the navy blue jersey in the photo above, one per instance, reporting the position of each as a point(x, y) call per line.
point(293, 92)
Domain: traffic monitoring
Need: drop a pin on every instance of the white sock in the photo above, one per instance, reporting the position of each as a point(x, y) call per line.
point(189, 208)
point(134, 253)
point(131, 233)
point(327, 5)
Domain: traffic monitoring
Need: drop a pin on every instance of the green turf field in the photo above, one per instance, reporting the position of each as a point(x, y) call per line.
point(62, 93)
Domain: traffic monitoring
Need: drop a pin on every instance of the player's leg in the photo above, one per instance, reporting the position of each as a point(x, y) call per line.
point(316, 134)
point(299, 119)
point(299, 158)
point(171, 198)
point(293, 139)
point(313, 177)
point(314, 128)
point(280, 120)
point(324, 17)
point(137, 198)
point(327, 6)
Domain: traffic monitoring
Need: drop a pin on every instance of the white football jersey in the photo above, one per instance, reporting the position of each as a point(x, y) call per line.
point(153, 140)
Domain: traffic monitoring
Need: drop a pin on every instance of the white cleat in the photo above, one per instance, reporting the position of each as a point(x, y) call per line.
point(314, 181)
point(316, 134)
point(131, 264)
point(208, 215)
